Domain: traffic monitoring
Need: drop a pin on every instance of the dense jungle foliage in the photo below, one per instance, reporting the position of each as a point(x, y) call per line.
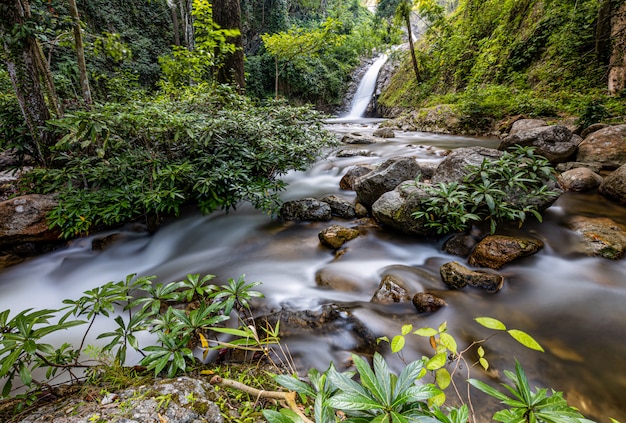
point(498, 58)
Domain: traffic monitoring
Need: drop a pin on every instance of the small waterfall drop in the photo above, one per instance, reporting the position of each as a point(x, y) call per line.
point(365, 90)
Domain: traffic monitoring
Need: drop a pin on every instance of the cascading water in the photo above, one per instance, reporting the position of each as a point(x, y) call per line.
point(365, 89)
point(572, 304)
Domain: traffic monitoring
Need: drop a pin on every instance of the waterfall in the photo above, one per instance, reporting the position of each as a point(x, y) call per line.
point(366, 88)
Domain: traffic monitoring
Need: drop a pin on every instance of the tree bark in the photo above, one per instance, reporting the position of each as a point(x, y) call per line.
point(227, 14)
point(407, 19)
point(80, 55)
point(617, 66)
point(22, 55)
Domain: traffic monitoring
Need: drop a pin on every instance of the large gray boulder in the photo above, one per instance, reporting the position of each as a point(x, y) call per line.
point(614, 185)
point(606, 146)
point(524, 125)
point(454, 166)
point(395, 208)
point(385, 178)
point(579, 179)
point(555, 143)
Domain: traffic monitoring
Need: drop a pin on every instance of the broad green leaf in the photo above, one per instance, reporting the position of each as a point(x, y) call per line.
point(438, 400)
point(525, 339)
point(369, 379)
point(437, 361)
point(294, 384)
point(406, 329)
point(443, 327)
point(397, 343)
point(482, 386)
point(383, 377)
point(275, 417)
point(354, 402)
point(490, 323)
point(442, 376)
point(427, 332)
point(449, 342)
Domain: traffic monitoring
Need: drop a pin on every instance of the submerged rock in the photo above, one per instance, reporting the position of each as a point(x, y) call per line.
point(602, 236)
point(384, 133)
point(494, 251)
point(390, 290)
point(426, 302)
point(305, 209)
point(335, 236)
point(457, 276)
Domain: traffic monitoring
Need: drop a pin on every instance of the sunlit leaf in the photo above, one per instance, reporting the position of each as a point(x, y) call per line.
point(484, 363)
point(481, 352)
point(427, 332)
point(437, 361)
point(490, 323)
point(442, 376)
point(397, 343)
point(449, 342)
point(525, 339)
point(406, 329)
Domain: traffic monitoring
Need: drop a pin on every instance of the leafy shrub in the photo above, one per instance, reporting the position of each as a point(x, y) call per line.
point(212, 149)
point(135, 305)
point(506, 189)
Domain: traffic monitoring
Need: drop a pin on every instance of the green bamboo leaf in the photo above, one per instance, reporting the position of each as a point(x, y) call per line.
point(490, 323)
point(397, 343)
point(525, 339)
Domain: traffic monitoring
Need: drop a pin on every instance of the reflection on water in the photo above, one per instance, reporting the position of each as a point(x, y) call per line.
point(573, 305)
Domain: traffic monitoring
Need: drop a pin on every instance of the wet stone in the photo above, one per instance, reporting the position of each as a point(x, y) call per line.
point(390, 290)
point(494, 251)
point(457, 276)
point(426, 302)
point(336, 235)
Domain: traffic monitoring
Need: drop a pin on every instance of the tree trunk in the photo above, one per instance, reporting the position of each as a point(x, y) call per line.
point(185, 7)
point(407, 19)
point(80, 55)
point(175, 24)
point(617, 66)
point(22, 57)
point(227, 14)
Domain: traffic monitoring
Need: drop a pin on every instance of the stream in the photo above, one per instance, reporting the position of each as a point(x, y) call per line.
point(572, 304)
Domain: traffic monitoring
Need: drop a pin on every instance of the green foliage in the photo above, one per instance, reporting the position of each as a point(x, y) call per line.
point(136, 306)
point(528, 406)
point(214, 149)
point(192, 66)
point(501, 190)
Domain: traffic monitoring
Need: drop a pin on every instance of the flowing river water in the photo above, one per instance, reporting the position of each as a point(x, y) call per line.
point(572, 304)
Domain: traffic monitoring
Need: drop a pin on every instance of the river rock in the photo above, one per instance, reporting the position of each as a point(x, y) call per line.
point(457, 276)
point(523, 125)
point(394, 208)
point(354, 153)
point(494, 251)
point(340, 207)
point(23, 220)
point(556, 143)
point(454, 166)
point(460, 245)
point(384, 133)
point(564, 167)
point(358, 138)
point(347, 181)
point(602, 236)
point(390, 290)
point(180, 400)
point(385, 178)
point(592, 128)
point(426, 302)
point(606, 146)
point(336, 235)
point(305, 209)
point(330, 278)
point(614, 185)
point(579, 179)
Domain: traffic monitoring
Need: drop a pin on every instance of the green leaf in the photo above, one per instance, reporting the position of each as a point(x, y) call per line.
point(490, 323)
point(484, 363)
point(449, 342)
point(437, 361)
point(481, 351)
point(525, 339)
point(369, 379)
point(397, 343)
point(406, 329)
point(426, 332)
point(442, 377)
point(492, 392)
